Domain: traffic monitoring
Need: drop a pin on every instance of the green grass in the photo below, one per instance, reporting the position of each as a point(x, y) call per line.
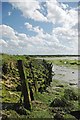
point(68, 63)
point(41, 114)
point(69, 117)
point(41, 105)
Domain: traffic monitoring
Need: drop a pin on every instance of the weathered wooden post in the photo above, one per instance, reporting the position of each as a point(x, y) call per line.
point(25, 87)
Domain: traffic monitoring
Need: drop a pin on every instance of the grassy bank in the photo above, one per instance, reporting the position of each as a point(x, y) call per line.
point(67, 63)
point(56, 101)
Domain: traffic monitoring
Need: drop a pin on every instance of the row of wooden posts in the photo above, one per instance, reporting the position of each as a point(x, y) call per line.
point(26, 88)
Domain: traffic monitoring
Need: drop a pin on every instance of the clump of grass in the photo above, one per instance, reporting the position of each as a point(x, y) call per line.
point(41, 114)
point(70, 94)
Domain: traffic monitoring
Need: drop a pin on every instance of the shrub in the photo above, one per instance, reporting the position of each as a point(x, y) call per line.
point(61, 102)
point(58, 116)
point(69, 94)
point(57, 102)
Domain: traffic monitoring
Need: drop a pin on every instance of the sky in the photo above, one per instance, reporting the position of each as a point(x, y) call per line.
point(39, 28)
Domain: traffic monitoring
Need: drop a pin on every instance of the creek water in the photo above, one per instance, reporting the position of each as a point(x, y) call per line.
point(67, 74)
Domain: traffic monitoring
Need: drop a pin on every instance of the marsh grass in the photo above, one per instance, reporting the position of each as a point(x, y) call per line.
point(67, 63)
point(41, 105)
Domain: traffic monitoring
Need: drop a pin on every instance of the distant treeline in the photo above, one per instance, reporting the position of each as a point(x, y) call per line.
point(44, 55)
point(54, 55)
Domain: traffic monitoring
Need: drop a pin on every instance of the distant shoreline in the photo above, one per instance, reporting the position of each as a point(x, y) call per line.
point(43, 55)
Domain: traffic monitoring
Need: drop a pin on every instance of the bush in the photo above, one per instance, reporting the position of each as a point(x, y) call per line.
point(10, 114)
point(69, 94)
point(61, 102)
point(57, 102)
point(58, 116)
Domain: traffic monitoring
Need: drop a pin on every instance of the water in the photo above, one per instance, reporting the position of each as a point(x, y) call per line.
point(59, 58)
point(66, 74)
point(70, 75)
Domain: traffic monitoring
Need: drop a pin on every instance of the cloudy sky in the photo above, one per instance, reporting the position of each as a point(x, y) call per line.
point(34, 27)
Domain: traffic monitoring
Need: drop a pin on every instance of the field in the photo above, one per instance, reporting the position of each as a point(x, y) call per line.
point(55, 92)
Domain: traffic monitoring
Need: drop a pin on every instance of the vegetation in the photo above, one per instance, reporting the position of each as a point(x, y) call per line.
point(68, 63)
point(51, 98)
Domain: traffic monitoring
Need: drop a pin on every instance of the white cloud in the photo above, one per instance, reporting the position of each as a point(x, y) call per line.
point(29, 9)
point(36, 29)
point(9, 34)
point(62, 31)
point(62, 40)
point(9, 13)
point(28, 26)
point(67, 37)
point(58, 42)
point(58, 15)
point(64, 6)
point(3, 43)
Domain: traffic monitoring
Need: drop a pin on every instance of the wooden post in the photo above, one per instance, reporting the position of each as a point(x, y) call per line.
point(25, 87)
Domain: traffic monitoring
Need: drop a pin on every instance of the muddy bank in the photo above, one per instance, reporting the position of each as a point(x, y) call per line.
point(63, 73)
point(58, 58)
point(66, 74)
